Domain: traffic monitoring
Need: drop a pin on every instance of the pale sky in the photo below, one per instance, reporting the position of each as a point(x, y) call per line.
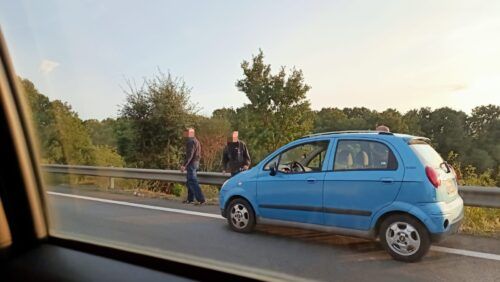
point(376, 54)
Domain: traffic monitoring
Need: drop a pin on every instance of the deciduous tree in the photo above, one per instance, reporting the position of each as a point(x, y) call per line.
point(278, 112)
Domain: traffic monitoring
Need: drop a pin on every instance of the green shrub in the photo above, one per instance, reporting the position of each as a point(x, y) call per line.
point(177, 189)
point(482, 221)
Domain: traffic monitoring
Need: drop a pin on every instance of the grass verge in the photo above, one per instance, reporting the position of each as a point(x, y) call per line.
point(481, 221)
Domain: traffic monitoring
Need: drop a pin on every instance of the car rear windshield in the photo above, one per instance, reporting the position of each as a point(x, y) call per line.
point(427, 155)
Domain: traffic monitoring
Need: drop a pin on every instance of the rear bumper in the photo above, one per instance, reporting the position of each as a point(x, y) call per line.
point(439, 217)
point(452, 229)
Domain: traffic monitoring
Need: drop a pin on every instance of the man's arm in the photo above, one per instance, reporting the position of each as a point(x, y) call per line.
point(189, 152)
point(225, 158)
point(246, 156)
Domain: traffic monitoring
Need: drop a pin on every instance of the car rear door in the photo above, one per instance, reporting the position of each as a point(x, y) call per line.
point(366, 175)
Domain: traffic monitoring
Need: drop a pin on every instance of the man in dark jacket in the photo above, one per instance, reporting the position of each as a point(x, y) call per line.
point(235, 157)
point(191, 164)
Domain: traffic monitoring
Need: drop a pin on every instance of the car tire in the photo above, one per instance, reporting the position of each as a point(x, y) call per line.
point(240, 216)
point(404, 238)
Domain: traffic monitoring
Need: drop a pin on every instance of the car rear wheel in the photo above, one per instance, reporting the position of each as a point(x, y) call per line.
point(240, 216)
point(404, 238)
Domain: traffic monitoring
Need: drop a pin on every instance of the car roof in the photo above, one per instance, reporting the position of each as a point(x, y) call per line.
point(364, 133)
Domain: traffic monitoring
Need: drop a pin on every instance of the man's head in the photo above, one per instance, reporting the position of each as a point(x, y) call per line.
point(232, 137)
point(189, 132)
point(382, 128)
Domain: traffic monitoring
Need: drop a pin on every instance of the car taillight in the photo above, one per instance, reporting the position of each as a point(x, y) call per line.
point(433, 176)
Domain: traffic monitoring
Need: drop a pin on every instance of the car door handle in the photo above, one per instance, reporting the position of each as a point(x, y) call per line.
point(311, 180)
point(387, 180)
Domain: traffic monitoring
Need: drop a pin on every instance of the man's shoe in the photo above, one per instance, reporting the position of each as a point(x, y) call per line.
point(187, 202)
point(200, 203)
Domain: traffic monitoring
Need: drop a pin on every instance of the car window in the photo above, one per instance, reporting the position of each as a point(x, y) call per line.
point(363, 155)
point(271, 162)
point(307, 157)
point(427, 154)
point(317, 161)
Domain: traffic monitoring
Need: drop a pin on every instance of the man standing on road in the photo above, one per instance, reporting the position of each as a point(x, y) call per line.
point(191, 164)
point(235, 157)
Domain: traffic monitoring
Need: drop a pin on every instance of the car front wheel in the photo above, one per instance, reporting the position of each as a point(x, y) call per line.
point(240, 216)
point(404, 238)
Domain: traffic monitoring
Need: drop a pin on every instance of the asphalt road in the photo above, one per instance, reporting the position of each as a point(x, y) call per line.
point(296, 253)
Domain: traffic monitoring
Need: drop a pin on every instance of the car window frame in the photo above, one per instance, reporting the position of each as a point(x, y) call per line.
point(284, 149)
point(391, 150)
point(320, 157)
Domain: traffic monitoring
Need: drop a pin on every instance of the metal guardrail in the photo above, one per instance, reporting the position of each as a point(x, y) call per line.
point(212, 178)
point(476, 196)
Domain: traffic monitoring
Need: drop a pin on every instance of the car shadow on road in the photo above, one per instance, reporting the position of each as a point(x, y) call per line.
point(356, 244)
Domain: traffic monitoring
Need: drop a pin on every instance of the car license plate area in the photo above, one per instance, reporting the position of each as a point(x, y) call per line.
point(450, 187)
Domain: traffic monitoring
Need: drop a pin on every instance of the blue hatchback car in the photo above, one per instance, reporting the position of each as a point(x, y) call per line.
point(394, 187)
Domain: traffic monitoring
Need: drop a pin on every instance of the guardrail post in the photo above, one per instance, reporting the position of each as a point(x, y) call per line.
point(111, 183)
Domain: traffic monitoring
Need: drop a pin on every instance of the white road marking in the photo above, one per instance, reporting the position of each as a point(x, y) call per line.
point(465, 253)
point(122, 203)
point(211, 215)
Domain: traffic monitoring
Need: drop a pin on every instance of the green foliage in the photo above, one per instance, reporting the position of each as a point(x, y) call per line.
point(61, 135)
point(471, 177)
point(477, 220)
point(102, 132)
point(156, 114)
point(177, 189)
point(278, 112)
point(75, 146)
point(107, 156)
point(124, 135)
point(63, 138)
point(334, 119)
point(39, 104)
point(483, 120)
point(393, 119)
point(360, 118)
point(228, 114)
point(330, 119)
point(468, 175)
point(484, 128)
point(482, 221)
point(212, 134)
point(446, 129)
point(43, 120)
point(412, 120)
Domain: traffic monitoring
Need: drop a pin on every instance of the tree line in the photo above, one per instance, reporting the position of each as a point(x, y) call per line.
point(148, 130)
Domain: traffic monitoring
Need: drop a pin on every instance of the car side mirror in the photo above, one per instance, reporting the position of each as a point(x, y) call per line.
point(274, 169)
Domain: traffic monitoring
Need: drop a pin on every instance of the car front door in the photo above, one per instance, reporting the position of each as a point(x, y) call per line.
point(295, 192)
point(366, 176)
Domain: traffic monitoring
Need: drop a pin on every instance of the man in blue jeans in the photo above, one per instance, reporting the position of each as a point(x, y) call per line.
point(190, 165)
